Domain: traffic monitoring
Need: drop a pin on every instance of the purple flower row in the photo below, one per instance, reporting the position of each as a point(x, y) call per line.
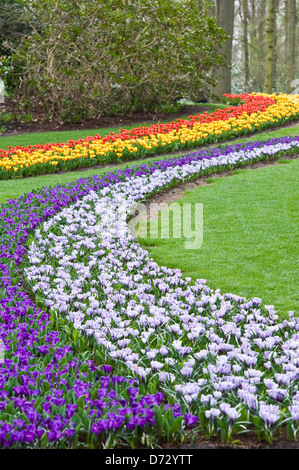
point(152, 305)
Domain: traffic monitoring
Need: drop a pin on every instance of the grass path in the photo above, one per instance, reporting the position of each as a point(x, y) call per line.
point(63, 136)
point(250, 236)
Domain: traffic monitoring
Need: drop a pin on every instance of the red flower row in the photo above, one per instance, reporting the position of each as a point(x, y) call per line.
point(250, 104)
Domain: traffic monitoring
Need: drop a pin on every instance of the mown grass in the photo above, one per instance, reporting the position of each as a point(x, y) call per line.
point(250, 236)
point(41, 138)
point(11, 189)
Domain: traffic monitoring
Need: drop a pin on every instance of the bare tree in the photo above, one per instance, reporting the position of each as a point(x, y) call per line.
point(271, 18)
point(291, 20)
point(245, 43)
point(225, 10)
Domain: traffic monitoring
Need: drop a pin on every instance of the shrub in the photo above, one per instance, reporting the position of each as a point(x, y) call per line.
point(96, 57)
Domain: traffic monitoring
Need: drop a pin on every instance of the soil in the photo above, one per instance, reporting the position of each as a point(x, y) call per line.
point(41, 124)
point(244, 441)
point(247, 440)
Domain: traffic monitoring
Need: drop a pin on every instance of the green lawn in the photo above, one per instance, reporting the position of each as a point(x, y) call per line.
point(250, 236)
point(11, 189)
point(53, 137)
point(63, 136)
point(282, 132)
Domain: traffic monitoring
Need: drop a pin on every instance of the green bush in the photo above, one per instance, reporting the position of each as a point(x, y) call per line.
point(98, 57)
point(15, 20)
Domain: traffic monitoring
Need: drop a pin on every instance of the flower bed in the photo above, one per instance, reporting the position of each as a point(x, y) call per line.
point(255, 113)
point(125, 346)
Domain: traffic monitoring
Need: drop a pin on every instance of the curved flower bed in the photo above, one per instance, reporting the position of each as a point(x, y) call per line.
point(255, 113)
point(186, 355)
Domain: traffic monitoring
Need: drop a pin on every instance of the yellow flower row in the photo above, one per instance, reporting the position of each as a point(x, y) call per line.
point(286, 107)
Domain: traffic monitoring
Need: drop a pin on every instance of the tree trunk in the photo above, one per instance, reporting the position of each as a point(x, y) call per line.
point(261, 45)
point(245, 44)
point(271, 18)
point(253, 44)
point(290, 44)
point(225, 15)
point(275, 54)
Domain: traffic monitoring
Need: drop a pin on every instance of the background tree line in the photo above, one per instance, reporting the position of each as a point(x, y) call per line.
point(262, 53)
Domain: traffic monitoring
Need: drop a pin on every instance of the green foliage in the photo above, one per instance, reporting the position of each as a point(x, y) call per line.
point(15, 117)
point(94, 57)
point(250, 236)
point(15, 21)
point(232, 101)
point(14, 24)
